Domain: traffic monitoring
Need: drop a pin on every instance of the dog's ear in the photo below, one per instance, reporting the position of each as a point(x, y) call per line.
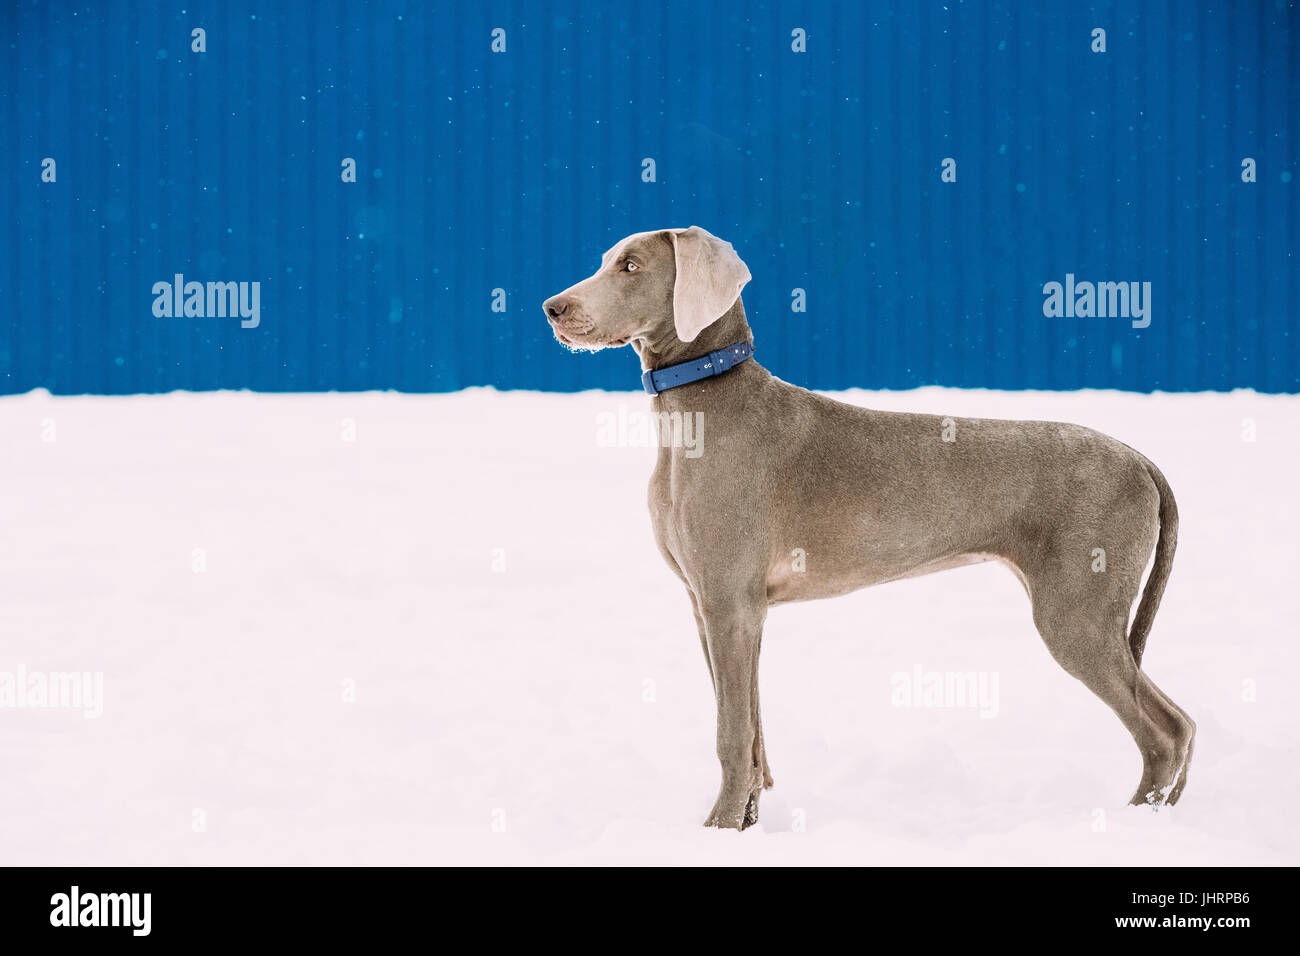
point(709, 278)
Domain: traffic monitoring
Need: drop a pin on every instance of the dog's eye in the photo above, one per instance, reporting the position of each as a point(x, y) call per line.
point(631, 266)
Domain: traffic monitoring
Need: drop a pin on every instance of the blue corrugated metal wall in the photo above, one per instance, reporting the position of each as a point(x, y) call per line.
point(515, 170)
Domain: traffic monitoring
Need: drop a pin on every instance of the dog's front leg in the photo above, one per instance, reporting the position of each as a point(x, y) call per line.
point(734, 633)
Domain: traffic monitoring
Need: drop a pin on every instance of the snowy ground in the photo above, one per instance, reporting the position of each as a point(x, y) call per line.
point(344, 673)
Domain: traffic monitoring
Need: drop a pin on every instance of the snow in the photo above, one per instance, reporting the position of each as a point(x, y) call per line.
point(529, 687)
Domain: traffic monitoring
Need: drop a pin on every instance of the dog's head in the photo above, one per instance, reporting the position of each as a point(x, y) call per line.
point(652, 285)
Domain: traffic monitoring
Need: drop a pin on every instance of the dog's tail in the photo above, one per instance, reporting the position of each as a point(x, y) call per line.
point(1160, 567)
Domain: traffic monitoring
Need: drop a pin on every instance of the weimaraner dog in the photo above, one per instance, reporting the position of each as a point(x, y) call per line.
point(869, 497)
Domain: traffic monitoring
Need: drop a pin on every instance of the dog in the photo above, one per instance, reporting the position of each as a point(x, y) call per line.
point(879, 496)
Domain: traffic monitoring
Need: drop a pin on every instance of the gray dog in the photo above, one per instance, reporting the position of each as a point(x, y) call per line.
point(872, 497)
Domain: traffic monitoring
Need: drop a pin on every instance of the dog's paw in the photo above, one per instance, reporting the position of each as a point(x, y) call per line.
point(734, 812)
point(751, 811)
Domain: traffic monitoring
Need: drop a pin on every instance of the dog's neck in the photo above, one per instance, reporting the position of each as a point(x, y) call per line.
point(670, 350)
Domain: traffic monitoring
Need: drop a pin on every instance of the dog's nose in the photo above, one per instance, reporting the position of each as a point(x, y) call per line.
point(555, 306)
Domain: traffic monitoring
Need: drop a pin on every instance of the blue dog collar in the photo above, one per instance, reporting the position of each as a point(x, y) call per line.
point(715, 363)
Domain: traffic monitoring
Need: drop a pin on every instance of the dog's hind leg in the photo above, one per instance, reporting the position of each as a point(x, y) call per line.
point(1094, 648)
point(1181, 782)
point(1083, 568)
